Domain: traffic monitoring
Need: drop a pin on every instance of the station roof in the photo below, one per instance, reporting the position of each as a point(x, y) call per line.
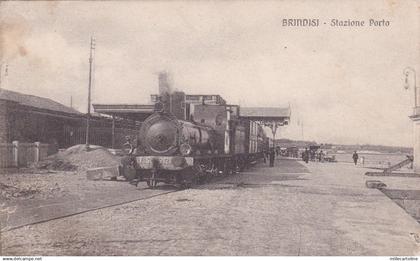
point(266, 113)
point(138, 112)
point(36, 102)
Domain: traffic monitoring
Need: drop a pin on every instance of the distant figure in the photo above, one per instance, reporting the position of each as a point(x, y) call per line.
point(272, 155)
point(265, 155)
point(305, 155)
point(312, 153)
point(362, 160)
point(355, 157)
point(321, 156)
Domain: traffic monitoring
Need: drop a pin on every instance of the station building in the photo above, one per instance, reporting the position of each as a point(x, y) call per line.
point(28, 118)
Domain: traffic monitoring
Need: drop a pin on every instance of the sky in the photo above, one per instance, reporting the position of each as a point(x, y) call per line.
point(344, 84)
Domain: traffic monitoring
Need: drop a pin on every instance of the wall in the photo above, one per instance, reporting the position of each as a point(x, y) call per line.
point(6, 155)
point(22, 154)
point(27, 125)
point(3, 122)
point(98, 136)
point(416, 145)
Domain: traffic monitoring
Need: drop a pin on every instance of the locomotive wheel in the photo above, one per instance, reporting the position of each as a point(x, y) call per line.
point(152, 183)
point(214, 170)
point(186, 184)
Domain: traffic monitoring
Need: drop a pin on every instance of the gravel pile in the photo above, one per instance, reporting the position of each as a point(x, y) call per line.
point(79, 158)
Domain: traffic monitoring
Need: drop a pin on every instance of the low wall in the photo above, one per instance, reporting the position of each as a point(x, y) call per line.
point(17, 154)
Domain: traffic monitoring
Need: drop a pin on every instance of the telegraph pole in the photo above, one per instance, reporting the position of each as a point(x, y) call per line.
point(301, 125)
point(1, 72)
point(415, 117)
point(92, 48)
point(6, 72)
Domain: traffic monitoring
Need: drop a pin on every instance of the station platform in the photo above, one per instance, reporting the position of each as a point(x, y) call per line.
point(334, 196)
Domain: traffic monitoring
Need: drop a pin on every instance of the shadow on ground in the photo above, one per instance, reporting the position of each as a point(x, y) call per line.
point(409, 200)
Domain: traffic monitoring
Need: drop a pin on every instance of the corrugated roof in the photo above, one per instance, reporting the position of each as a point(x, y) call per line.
point(104, 108)
point(35, 101)
point(272, 112)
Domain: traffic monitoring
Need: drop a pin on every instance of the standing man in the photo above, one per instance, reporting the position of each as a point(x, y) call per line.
point(321, 156)
point(272, 155)
point(306, 155)
point(355, 157)
point(265, 155)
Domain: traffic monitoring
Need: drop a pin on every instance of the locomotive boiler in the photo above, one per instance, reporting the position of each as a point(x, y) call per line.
point(163, 134)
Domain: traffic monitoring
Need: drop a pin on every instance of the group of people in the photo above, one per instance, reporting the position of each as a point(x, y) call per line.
point(306, 156)
point(313, 155)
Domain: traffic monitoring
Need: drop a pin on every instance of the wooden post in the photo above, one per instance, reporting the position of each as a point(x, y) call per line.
point(92, 47)
point(113, 131)
point(15, 153)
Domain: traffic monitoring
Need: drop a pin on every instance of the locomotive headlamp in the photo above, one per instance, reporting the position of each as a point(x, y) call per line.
point(185, 149)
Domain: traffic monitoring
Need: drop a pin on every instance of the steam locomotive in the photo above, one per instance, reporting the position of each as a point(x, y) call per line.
point(205, 140)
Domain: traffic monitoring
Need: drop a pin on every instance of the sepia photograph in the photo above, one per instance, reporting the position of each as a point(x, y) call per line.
point(286, 128)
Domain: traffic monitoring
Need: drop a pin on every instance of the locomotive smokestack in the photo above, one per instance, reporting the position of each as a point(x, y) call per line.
point(164, 87)
point(165, 91)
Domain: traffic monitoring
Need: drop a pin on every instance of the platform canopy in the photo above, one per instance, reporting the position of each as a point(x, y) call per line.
point(272, 117)
point(136, 112)
point(270, 114)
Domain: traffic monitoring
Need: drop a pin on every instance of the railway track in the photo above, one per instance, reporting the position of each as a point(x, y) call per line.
point(15, 217)
point(34, 212)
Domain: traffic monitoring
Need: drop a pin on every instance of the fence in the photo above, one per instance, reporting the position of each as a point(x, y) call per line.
point(17, 154)
point(97, 136)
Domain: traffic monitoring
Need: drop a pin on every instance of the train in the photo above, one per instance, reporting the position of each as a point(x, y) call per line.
point(212, 140)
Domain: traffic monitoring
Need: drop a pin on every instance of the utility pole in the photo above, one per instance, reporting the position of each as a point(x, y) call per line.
point(301, 125)
point(415, 117)
point(6, 72)
point(1, 72)
point(92, 48)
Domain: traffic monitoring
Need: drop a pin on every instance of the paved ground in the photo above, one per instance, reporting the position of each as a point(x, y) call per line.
point(287, 210)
